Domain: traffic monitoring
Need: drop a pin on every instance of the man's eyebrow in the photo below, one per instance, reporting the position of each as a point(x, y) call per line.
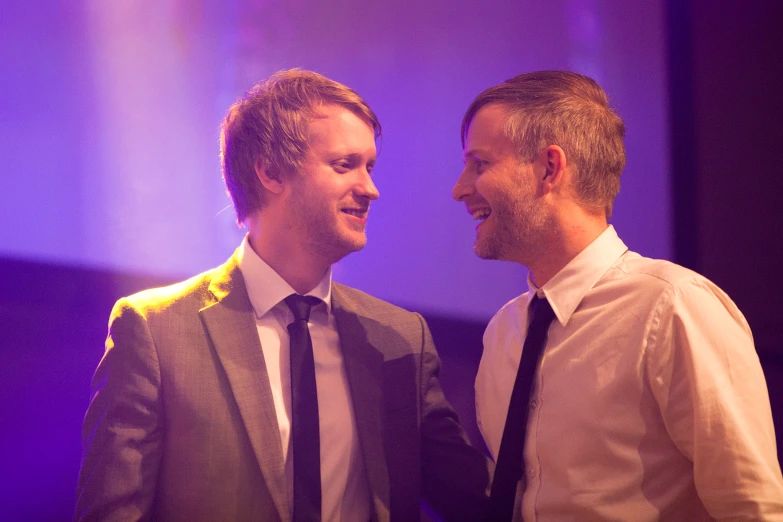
point(472, 153)
point(353, 156)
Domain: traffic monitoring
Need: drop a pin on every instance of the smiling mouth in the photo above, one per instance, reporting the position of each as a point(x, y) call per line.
point(481, 214)
point(360, 213)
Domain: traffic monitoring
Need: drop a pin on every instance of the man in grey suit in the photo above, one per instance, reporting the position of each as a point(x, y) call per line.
point(193, 414)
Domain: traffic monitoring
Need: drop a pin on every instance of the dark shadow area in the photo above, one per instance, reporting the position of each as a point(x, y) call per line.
point(54, 322)
point(725, 107)
point(459, 345)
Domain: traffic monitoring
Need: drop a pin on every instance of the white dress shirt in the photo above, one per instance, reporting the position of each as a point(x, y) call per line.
point(344, 489)
point(649, 402)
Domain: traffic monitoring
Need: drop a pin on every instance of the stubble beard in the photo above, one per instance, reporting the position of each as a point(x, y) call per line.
point(316, 223)
point(519, 228)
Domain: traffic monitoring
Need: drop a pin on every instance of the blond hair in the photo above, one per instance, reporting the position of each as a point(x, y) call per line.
point(268, 128)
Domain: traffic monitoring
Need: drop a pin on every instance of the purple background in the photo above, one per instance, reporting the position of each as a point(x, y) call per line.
point(110, 114)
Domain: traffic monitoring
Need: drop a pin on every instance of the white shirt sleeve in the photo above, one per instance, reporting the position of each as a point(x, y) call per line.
point(707, 379)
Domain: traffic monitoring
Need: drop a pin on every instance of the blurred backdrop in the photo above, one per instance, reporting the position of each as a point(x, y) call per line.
point(109, 115)
point(110, 146)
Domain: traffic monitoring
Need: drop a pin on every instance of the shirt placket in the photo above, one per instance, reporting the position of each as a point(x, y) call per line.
point(532, 463)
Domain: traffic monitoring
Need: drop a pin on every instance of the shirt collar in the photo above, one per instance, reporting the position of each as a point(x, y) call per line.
point(266, 288)
point(570, 285)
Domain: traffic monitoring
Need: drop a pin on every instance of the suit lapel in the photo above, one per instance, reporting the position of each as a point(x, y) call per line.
point(364, 370)
point(232, 329)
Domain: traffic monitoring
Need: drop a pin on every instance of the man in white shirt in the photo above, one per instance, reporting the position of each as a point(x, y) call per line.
point(647, 400)
point(261, 390)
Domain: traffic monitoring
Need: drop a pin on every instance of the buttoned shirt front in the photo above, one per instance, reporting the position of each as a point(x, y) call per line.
point(649, 402)
point(344, 486)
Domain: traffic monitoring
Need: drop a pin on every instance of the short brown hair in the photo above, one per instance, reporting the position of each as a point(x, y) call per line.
point(569, 110)
point(269, 125)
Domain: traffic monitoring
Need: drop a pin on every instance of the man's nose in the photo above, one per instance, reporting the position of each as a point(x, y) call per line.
point(464, 186)
point(366, 187)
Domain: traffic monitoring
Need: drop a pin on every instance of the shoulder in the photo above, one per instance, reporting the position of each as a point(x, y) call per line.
point(655, 272)
point(391, 328)
point(362, 303)
point(659, 278)
point(510, 315)
point(673, 289)
point(189, 295)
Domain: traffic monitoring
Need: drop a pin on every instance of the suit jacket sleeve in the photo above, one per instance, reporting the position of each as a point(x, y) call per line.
point(122, 428)
point(455, 475)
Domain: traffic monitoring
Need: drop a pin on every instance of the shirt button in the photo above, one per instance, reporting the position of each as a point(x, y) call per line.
point(531, 472)
point(533, 404)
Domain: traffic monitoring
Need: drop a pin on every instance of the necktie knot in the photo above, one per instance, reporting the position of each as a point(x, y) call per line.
point(541, 311)
point(300, 305)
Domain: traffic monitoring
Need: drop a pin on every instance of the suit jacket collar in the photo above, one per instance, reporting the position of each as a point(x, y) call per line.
point(364, 369)
point(231, 325)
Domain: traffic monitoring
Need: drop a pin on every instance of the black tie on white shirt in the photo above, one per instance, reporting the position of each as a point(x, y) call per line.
point(304, 408)
point(510, 464)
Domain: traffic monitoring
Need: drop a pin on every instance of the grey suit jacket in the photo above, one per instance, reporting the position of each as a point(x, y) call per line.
point(182, 425)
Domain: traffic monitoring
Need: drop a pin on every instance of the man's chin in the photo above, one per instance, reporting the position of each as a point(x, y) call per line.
point(345, 244)
point(356, 245)
point(354, 240)
point(485, 251)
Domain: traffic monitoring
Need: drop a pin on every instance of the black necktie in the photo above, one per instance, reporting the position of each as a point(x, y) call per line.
point(304, 407)
point(510, 465)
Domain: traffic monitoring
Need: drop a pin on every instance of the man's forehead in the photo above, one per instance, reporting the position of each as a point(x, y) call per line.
point(335, 110)
point(490, 117)
point(485, 133)
point(335, 117)
point(339, 132)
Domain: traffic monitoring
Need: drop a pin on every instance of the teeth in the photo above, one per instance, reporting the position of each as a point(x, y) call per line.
point(481, 213)
point(354, 212)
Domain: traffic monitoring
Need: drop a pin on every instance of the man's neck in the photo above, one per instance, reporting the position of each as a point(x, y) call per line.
point(298, 267)
point(568, 241)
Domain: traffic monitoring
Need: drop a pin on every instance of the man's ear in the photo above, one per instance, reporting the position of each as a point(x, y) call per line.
point(553, 163)
point(271, 180)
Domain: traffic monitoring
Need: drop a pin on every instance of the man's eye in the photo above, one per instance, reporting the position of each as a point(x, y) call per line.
point(343, 166)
